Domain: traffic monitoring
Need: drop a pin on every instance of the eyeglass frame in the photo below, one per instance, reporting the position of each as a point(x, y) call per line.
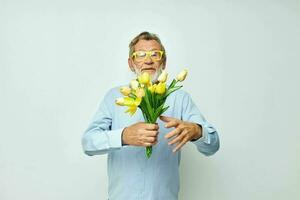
point(148, 53)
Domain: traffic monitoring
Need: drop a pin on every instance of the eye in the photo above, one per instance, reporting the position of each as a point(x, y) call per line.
point(154, 53)
point(141, 53)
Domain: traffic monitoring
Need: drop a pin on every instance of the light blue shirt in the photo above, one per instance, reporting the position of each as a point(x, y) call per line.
point(131, 175)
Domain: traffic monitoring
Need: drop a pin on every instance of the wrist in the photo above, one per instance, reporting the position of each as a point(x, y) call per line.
point(123, 136)
point(198, 131)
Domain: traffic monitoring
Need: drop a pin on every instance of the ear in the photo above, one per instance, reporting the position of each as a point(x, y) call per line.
point(164, 64)
point(130, 64)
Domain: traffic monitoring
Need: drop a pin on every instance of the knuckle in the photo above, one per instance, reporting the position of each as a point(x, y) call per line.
point(149, 139)
point(180, 126)
point(140, 123)
point(148, 126)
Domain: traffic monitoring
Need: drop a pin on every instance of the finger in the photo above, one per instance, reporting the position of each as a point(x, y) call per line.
point(147, 144)
point(180, 145)
point(178, 138)
point(150, 139)
point(173, 123)
point(173, 133)
point(152, 126)
point(151, 133)
point(166, 119)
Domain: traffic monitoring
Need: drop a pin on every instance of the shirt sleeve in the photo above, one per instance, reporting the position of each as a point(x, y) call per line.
point(208, 143)
point(98, 138)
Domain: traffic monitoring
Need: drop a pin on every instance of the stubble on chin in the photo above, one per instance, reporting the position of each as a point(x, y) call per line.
point(154, 76)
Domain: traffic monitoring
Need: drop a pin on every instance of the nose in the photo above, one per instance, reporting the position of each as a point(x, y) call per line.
point(148, 60)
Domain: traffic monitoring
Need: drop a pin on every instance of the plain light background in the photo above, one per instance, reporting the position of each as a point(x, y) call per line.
point(58, 58)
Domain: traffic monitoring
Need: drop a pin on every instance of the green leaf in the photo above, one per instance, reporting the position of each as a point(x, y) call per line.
point(172, 84)
point(145, 111)
point(158, 111)
point(164, 109)
point(172, 90)
point(149, 94)
point(131, 95)
point(148, 105)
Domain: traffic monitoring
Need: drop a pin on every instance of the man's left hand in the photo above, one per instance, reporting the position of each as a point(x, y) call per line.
point(184, 131)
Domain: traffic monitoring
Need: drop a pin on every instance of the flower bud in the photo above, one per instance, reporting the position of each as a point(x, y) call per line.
point(131, 110)
point(140, 92)
point(152, 88)
point(182, 75)
point(160, 88)
point(144, 78)
point(120, 101)
point(125, 90)
point(163, 76)
point(134, 84)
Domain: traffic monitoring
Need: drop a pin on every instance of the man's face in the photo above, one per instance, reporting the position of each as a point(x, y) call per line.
point(150, 65)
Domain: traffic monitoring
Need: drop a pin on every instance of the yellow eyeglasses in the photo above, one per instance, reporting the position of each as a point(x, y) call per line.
point(142, 55)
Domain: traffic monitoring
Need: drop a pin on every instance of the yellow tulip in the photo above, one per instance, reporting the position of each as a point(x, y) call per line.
point(134, 84)
point(127, 101)
point(137, 101)
point(182, 75)
point(163, 76)
point(125, 90)
point(140, 92)
point(160, 88)
point(152, 88)
point(120, 101)
point(144, 78)
point(131, 110)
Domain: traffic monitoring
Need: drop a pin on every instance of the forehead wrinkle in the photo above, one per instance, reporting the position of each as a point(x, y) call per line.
point(146, 49)
point(147, 45)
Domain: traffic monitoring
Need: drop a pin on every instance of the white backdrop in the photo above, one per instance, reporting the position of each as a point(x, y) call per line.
point(58, 58)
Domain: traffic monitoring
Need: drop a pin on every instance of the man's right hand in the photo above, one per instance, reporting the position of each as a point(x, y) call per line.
point(140, 134)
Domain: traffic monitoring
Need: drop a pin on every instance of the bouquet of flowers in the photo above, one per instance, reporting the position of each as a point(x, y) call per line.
point(149, 97)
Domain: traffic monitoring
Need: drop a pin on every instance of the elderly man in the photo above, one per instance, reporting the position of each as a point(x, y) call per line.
point(131, 175)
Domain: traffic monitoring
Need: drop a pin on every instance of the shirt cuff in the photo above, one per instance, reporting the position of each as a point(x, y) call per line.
point(115, 138)
point(204, 138)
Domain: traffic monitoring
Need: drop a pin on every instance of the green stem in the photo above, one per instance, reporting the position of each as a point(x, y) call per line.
point(148, 150)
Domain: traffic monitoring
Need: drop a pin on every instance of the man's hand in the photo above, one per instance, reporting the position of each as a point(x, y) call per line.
point(140, 134)
point(183, 132)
